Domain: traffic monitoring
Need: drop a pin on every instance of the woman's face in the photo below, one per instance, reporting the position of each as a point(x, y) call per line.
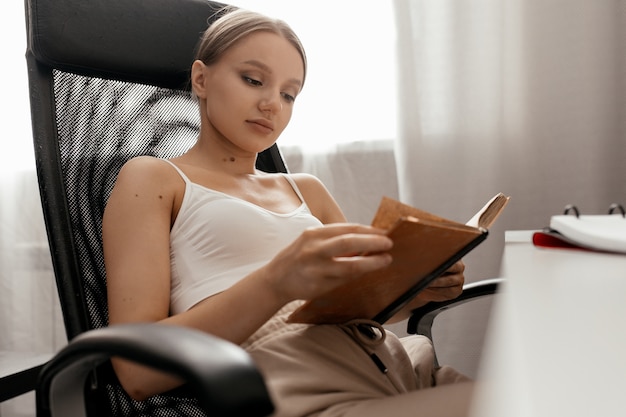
point(250, 92)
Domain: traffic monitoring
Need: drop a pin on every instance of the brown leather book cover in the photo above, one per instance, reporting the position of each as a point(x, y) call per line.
point(425, 245)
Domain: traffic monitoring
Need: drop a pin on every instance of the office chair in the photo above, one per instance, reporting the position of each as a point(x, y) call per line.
point(108, 81)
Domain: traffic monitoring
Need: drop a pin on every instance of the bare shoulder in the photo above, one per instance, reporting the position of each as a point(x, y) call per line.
point(146, 166)
point(308, 182)
point(146, 171)
point(148, 177)
point(320, 201)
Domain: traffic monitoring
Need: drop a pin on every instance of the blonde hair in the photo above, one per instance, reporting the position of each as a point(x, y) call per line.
point(233, 25)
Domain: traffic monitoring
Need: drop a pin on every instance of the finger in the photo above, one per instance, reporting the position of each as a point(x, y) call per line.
point(337, 229)
point(457, 268)
point(441, 294)
point(349, 245)
point(355, 266)
point(448, 281)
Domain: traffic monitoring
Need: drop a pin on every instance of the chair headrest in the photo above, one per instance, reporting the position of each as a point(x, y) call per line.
point(151, 41)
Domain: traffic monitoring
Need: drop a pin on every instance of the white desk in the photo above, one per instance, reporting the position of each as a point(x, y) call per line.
point(556, 345)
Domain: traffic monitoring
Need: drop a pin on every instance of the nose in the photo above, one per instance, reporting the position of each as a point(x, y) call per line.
point(271, 103)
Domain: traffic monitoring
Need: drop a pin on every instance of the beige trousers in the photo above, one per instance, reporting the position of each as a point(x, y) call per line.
point(348, 370)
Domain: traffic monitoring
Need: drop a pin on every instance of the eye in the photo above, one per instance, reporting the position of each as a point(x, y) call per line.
point(251, 81)
point(288, 97)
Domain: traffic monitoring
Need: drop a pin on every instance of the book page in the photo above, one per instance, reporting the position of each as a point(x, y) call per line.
point(490, 212)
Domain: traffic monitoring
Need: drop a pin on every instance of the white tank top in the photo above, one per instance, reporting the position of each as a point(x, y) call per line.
point(218, 239)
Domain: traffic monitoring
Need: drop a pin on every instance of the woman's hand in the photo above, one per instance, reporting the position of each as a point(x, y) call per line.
point(325, 257)
point(446, 287)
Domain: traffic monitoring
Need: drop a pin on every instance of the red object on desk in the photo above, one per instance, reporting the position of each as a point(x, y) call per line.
point(554, 240)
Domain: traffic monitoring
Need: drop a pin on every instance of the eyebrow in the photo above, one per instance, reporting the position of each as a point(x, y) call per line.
point(264, 67)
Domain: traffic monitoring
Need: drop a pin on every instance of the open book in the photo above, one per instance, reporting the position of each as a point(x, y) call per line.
point(425, 246)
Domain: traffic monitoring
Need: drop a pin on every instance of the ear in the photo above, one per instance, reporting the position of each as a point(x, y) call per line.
point(198, 78)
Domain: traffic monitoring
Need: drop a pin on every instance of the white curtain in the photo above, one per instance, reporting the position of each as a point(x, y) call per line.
point(523, 96)
point(30, 316)
point(526, 97)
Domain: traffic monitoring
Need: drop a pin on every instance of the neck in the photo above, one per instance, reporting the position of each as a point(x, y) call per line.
point(230, 161)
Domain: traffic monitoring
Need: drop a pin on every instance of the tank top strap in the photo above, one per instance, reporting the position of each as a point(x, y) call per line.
point(286, 176)
point(294, 186)
point(180, 171)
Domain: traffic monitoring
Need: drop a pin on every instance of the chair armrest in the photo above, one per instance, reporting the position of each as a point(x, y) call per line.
point(222, 374)
point(19, 371)
point(421, 320)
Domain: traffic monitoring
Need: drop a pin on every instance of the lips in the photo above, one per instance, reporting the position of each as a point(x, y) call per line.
point(262, 124)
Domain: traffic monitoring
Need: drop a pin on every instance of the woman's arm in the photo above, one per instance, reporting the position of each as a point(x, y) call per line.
point(135, 233)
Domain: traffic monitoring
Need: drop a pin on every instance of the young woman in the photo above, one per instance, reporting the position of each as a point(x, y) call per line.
point(207, 241)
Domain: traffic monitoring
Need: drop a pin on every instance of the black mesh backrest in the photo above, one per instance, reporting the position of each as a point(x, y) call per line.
point(108, 82)
point(101, 125)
